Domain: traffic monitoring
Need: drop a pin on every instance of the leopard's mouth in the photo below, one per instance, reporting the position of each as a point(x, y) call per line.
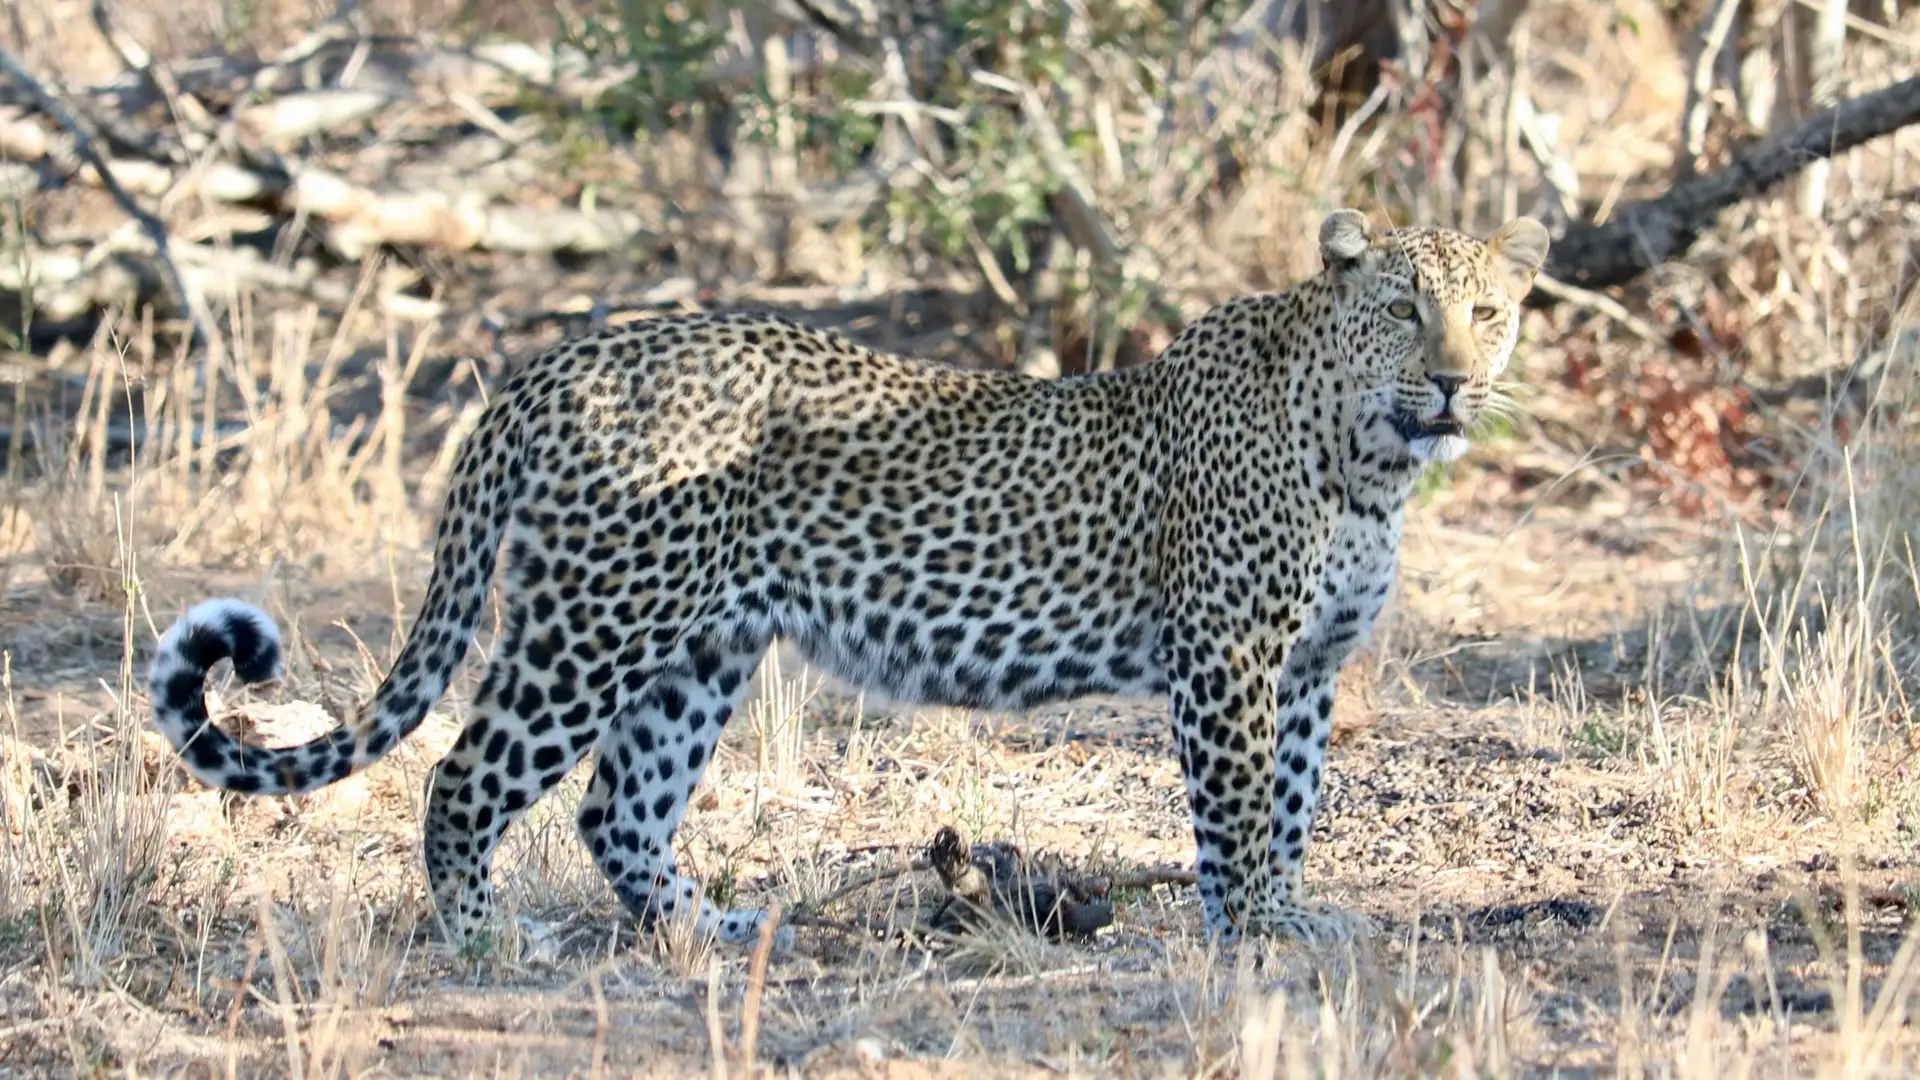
point(1412, 428)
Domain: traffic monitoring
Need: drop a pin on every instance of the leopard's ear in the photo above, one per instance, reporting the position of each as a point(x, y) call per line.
point(1519, 250)
point(1345, 238)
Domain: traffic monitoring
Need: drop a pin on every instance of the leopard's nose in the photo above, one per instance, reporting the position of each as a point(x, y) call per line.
point(1448, 382)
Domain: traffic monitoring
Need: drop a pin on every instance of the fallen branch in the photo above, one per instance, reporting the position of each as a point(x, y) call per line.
point(1074, 204)
point(1712, 36)
point(1073, 200)
point(23, 139)
point(289, 118)
point(973, 873)
point(138, 60)
point(336, 57)
point(1152, 876)
point(1599, 303)
point(1646, 234)
point(361, 219)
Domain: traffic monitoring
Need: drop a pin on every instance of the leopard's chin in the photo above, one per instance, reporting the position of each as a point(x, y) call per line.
point(1438, 447)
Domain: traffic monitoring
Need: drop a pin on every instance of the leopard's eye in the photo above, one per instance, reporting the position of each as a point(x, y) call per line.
point(1403, 309)
point(1485, 313)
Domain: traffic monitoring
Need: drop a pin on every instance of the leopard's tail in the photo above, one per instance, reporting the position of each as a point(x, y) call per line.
point(486, 487)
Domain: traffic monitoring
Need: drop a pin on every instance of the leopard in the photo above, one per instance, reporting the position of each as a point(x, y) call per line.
point(1217, 528)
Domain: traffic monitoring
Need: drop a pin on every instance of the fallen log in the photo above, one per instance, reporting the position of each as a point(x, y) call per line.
point(154, 229)
point(286, 119)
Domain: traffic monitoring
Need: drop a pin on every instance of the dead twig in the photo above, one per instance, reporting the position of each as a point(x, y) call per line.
point(824, 923)
point(67, 282)
point(1075, 200)
point(1600, 304)
point(1713, 41)
point(1074, 203)
point(756, 990)
point(1822, 52)
point(1868, 29)
point(138, 59)
point(1151, 876)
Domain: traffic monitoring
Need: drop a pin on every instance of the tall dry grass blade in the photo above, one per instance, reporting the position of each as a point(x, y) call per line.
point(283, 987)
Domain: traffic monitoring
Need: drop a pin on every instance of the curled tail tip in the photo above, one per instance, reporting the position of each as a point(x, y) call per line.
point(214, 630)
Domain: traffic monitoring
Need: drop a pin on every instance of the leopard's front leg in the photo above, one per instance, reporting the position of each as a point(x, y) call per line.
point(1303, 726)
point(1240, 561)
point(1304, 723)
point(1224, 705)
point(1223, 729)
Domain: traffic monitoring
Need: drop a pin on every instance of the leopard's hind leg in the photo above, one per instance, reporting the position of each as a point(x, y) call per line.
point(648, 764)
point(537, 713)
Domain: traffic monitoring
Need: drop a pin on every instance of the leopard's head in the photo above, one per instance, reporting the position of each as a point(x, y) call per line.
point(1431, 316)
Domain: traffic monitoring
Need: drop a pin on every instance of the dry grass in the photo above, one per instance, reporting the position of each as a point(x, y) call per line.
point(1630, 790)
